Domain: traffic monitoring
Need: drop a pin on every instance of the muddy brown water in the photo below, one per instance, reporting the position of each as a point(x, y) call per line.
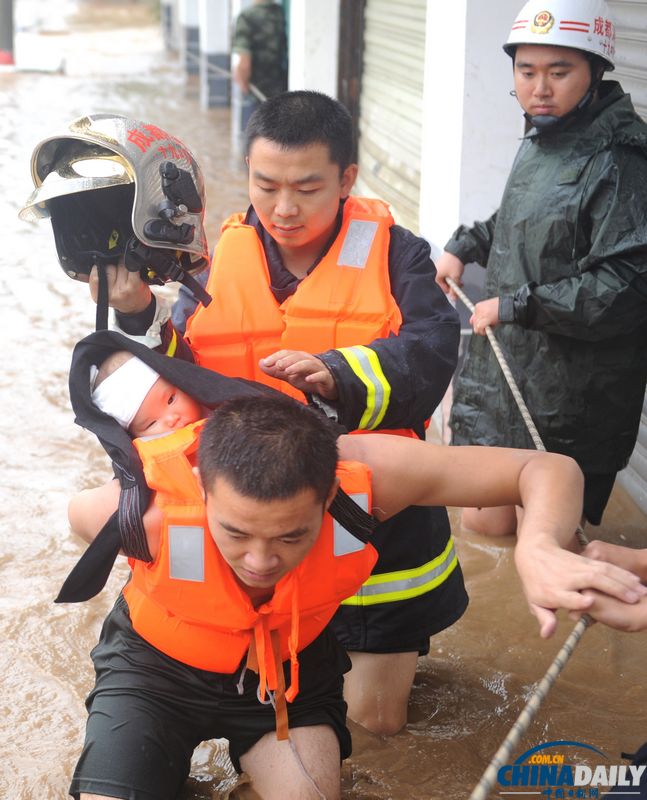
point(479, 673)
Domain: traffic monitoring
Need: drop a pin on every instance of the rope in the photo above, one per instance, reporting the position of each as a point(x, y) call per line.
point(225, 74)
point(524, 719)
point(532, 430)
point(501, 757)
point(507, 374)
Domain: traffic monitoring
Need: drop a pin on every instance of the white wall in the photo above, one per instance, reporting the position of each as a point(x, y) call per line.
point(314, 45)
point(471, 124)
point(442, 122)
point(215, 25)
point(188, 13)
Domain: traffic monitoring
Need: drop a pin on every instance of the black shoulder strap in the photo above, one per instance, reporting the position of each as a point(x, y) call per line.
point(352, 516)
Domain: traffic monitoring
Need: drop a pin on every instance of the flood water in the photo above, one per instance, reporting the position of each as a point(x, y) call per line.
point(474, 682)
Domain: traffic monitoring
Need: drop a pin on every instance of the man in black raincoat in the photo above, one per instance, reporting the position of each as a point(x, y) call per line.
point(566, 260)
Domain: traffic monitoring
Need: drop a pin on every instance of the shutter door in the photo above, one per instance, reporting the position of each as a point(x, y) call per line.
point(631, 50)
point(390, 119)
point(631, 70)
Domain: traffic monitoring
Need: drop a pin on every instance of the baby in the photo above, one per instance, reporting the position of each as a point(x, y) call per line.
point(142, 402)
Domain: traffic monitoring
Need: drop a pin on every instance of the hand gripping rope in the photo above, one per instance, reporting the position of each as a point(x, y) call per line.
point(522, 723)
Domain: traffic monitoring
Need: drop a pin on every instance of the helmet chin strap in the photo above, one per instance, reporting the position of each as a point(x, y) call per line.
point(101, 320)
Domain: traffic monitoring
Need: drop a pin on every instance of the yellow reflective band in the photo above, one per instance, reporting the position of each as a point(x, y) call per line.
point(388, 587)
point(170, 350)
point(366, 365)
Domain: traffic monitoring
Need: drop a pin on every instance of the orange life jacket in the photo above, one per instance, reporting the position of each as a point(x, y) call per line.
point(345, 301)
point(187, 602)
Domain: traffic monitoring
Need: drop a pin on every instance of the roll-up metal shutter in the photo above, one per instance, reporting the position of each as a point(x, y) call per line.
point(390, 120)
point(631, 70)
point(631, 49)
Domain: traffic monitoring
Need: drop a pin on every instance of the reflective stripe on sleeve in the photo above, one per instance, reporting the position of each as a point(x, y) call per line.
point(389, 587)
point(170, 350)
point(366, 365)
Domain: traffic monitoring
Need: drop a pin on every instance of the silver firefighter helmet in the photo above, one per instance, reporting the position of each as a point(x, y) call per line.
point(119, 188)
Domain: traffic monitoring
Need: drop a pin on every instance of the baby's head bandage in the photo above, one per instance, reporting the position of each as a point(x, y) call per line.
point(121, 394)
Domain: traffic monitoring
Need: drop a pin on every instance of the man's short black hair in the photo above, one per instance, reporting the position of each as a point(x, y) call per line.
point(268, 448)
point(298, 119)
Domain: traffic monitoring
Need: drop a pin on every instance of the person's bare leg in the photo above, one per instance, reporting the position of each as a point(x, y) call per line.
point(495, 521)
point(305, 768)
point(377, 690)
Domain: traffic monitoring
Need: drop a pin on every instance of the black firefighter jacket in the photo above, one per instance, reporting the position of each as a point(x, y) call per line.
point(418, 363)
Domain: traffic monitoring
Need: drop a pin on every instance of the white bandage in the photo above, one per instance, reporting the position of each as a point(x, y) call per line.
point(121, 394)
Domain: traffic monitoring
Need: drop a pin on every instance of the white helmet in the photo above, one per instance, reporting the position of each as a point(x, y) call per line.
point(579, 24)
point(115, 186)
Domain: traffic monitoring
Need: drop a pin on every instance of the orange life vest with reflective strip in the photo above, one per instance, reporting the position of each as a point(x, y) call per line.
point(187, 602)
point(346, 300)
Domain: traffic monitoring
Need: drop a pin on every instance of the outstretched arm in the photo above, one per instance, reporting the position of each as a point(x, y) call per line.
point(409, 472)
point(548, 486)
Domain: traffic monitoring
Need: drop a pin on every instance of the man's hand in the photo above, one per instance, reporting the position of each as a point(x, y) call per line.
point(555, 578)
point(615, 613)
point(609, 610)
point(301, 370)
point(449, 266)
point(632, 559)
point(127, 292)
point(485, 313)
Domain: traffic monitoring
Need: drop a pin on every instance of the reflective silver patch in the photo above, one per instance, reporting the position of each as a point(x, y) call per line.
point(186, 552)
point(357, 243)
point(345, 542)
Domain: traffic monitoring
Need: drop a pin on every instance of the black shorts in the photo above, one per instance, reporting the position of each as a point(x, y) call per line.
point(148, 712)
point(597, 490)
point(409, 542)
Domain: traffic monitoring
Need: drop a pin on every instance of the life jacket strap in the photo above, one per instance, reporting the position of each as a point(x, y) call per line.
point(256, 656)
point(280, 707)
point(352, 517)
point(293, 645)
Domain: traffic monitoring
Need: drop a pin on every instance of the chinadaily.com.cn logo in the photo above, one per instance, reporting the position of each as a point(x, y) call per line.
point(552, 770)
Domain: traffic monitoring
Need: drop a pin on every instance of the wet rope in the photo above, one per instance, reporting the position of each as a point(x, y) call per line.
point(522, 723)
point(502, 755)
point(507, 374)
point(216, 70)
